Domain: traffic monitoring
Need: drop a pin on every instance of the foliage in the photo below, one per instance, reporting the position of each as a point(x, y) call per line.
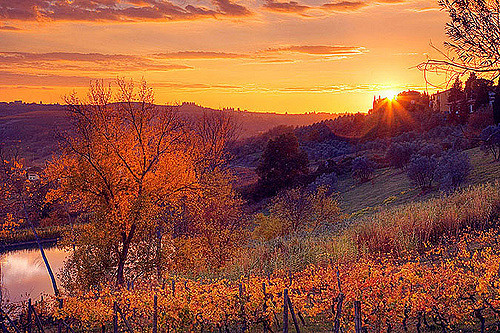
point(490, 140)
point(453, 169)
point(399, 154)
point(450, 285)
point(133, 168)
point(421, 170)
point(362, 168)
point(297, 211)
point(282, 164)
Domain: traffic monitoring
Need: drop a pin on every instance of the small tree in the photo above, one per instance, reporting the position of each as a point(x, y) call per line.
point(297, 211)
point(490, 141)
point(421, 171)
point(362, 168)
point(452, 169)
point(282, 164)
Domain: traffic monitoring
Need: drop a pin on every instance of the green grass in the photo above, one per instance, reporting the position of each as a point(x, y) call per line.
point(391, 187)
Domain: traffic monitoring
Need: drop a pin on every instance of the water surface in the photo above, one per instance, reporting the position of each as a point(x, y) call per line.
point(24, 274)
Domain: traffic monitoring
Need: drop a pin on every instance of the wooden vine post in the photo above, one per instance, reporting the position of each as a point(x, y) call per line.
point(358, 326)
point(285, 311)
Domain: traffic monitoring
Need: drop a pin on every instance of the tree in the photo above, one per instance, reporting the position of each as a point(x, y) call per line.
point(133, 166)
point(496, 105)
point(362, 168)
point(456, 99)
point(298, 211)
point(421, 171)
point(452, 169)
point(490, 141)
point(282, 164)
point(473, 32)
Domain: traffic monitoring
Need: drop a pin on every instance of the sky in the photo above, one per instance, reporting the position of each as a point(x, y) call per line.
point(258, 55)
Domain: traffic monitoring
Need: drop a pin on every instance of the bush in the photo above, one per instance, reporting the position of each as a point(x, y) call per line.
point(430, 149)
point(399, 154)
point(327, 180)
point(421, 170)
point(297, 211)
point(453, 169)
point(362, 168)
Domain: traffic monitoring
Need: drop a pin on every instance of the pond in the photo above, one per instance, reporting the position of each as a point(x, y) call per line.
point(23, 273)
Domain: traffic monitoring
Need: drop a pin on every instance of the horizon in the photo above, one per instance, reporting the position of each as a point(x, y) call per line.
point(266, 56)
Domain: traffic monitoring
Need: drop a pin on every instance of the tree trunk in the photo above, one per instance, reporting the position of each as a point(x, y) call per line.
point(123, 255)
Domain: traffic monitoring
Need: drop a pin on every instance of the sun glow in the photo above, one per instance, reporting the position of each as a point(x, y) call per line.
point(390, 94)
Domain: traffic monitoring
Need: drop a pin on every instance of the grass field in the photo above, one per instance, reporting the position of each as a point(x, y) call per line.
point(391, 186)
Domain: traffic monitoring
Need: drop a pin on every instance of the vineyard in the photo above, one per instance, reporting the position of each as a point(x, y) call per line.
point(447, 288)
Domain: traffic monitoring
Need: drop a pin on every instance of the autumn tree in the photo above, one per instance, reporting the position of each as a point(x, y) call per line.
point(131, 166)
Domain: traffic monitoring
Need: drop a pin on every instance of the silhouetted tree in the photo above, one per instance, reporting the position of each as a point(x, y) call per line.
point(456, 99)
point(282, 164)
point(496, 105)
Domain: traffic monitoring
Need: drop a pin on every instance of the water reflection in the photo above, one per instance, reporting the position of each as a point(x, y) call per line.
point(24, 274)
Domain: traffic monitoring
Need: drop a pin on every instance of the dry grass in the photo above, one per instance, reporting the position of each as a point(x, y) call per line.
point(409, 227)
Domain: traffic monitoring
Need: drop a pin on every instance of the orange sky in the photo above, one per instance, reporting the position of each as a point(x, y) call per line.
point(260, 55)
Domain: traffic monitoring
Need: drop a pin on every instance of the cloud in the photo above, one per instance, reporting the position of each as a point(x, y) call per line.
point(199, 55)
point(345, 6)
point(356, 5)
point(84, 61)
point(285, 7)
point(9, 28)
point(321, 50)
point(21, 79)
point(231, 9)
point(113, 10)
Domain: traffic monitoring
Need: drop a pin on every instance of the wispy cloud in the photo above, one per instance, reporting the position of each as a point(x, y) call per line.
point(114, 10)
point(285, 7)
point(321, 50)
point(9, 28)
point(85, 61)
point(23, 79)
point(345, 6)
point(199, 55)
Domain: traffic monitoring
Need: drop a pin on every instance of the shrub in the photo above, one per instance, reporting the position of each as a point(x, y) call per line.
point(430, 149)
point(452, 170)
point(421, 170)
point(399, 154)
point(362, 168)
point(327, 180)
point(297, 211)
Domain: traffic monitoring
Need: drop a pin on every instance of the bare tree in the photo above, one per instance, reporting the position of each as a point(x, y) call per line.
point(474, 40)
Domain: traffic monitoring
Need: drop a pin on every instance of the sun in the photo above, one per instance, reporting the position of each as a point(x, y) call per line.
point(390, 94)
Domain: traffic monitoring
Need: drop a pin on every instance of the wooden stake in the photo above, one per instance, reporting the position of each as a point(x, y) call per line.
point(115, 318)
point(155, 314)
point(292, 312)
point(357, 317)
point(285, 311)
point(28, 328)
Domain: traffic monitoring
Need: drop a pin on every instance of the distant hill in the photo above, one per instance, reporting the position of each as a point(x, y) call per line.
point(31, 129)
